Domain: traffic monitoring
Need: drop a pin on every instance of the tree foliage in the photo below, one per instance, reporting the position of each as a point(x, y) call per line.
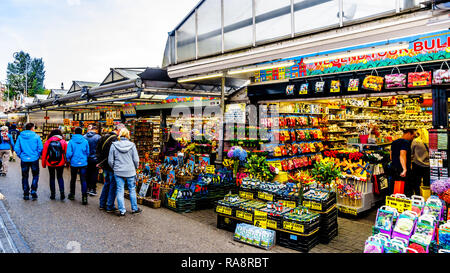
point(23, 69)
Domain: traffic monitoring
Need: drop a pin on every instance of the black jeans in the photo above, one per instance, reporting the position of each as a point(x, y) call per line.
point(26, 166)
point(92, 176)
point(74, 172)
point(59, 175)
point(419, 173)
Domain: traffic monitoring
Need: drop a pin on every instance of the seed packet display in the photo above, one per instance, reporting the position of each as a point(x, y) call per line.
point(320, 86)
point(419, 79)
point(353, 85)
point(335, 86)
point(304, 89)
point(290, 90)
point(442, 76)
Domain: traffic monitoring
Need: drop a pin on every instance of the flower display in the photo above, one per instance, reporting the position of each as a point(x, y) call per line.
point(440, 186)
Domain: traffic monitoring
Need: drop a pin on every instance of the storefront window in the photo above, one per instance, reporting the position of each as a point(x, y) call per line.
point(360, 9)
point(238, 28)
point(312, 15)
point(273, 19)
point(209, 28)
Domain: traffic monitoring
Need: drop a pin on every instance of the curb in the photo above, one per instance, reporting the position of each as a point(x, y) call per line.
point(12, 235)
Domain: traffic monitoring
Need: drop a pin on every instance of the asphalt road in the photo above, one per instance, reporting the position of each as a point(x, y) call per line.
point(67, 226)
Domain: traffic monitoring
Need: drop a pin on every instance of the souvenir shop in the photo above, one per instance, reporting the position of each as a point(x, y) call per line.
point(324, 135)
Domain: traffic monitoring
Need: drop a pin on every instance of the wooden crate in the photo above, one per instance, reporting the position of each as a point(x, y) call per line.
point(153, 203)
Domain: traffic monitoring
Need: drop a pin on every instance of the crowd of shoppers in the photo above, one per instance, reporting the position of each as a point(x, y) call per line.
point(114, 154)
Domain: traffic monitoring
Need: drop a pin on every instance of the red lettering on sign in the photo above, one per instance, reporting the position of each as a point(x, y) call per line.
point(428, 47)
point(418, 46)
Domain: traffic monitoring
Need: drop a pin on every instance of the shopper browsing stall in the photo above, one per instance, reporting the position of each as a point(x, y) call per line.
point(29, 149)
point(420, 160)
point(54, 157)
point(401, 160)
point(108, 194)
point(124, 160)
point(92, 171)
point(6, 145)
point(77, 155)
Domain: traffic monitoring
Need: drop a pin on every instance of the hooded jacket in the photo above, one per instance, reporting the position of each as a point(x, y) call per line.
point(45, 162)
point(28, 146)
point(6, 145)
point(93, 139)
point(123, 158)
point(78, 151)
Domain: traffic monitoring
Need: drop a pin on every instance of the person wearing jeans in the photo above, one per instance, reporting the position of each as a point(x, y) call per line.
point(108, 195)
point(29, 149)
point(124, 160)
point(54, 157)
point(6, 144)
point(77, 155)
point(92, 171)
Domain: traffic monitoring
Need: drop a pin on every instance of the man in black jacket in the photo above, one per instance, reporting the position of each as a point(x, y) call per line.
point(108, 195)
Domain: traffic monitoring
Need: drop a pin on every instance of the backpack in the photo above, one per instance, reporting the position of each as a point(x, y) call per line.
point(14, 134)
point(55, 153)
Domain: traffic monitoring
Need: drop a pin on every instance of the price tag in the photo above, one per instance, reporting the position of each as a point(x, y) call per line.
point(289, 204)
point(260, 219)
point(293, 227)
point(316, 206)
point(398, 203)
point(224, 210)
point(172, 203)
point(272, 224)
point(265, 196)
point(420, 83)
point(211, 169)
point(307, 204)
point(244, 215)
point(348, 210)
point(246, 195)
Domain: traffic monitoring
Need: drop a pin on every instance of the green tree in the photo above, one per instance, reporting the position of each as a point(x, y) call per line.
point(23, 69)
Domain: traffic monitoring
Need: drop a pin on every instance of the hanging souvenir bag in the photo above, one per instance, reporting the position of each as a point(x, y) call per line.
point(290, 90)
point(419, 79)
point(373, 83)
point(393, 81)
point(442, 76)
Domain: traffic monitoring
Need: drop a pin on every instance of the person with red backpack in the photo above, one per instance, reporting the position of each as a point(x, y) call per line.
point(54, 157)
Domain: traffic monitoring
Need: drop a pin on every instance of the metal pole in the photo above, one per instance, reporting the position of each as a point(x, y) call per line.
point(219, 159)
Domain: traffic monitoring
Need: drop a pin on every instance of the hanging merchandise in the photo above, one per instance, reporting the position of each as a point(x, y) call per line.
point(304, 89)
point(290, 90)
point(419, 79)
point(335, 86)
point(353, 85)
point(393, 81)
point(442, 76)
point(320, 86)
point(373, 83)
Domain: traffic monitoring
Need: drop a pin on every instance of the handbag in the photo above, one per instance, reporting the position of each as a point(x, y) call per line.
point(419, 79)
point(373, 83)
point(393, 81)
point(442, 76)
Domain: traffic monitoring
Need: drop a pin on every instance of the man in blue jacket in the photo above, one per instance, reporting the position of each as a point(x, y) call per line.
point(29, 149)
point(92, 171)
point(77, 155)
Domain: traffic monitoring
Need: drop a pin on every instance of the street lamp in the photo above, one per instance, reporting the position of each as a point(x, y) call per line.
point(26, 72)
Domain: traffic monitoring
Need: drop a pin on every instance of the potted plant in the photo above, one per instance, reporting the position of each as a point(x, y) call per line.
point(325, 174)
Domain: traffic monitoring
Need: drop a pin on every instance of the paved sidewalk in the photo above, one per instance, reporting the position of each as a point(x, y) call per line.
point(10, 239)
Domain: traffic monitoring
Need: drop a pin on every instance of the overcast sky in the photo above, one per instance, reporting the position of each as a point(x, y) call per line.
point(82, 39)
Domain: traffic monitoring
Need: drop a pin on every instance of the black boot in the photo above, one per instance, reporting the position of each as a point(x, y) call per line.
point(63, 196)
point(71, 196)
point(52, 196)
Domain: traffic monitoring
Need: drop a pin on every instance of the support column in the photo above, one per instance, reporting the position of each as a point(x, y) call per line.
point(219, 159)
point(162, 127)
point(440, 108)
